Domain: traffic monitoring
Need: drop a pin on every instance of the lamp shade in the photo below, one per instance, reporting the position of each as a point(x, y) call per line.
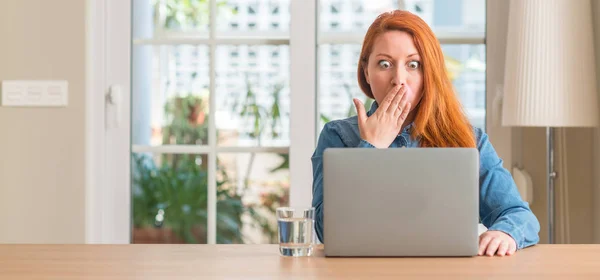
point(550, 76)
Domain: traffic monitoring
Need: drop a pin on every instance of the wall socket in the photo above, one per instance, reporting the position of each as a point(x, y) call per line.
point(34, 93)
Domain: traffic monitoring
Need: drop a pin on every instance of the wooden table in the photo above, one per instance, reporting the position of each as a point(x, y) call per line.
point(263, 262)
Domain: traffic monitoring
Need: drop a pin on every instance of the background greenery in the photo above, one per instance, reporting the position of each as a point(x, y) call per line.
point(170, 192)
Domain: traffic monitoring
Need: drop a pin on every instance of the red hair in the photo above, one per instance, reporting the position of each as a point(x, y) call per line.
point(440, 120)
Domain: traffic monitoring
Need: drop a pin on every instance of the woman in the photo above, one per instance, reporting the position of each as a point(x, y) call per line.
point(402, 67)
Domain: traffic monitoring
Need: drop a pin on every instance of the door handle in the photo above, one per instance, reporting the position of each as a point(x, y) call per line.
point(114, 104)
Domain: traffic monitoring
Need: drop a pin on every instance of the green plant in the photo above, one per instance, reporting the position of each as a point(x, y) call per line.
point(261, 117)
point(186, 14)
point(172, 192)
point(171, 197)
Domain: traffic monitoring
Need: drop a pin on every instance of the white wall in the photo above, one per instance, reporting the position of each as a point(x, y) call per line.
point(496, 29)
point(42, 149)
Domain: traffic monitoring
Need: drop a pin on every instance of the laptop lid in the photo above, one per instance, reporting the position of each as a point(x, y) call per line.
point(401, 202)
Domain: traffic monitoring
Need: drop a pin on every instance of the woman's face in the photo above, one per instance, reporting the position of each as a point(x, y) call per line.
point(395, 60)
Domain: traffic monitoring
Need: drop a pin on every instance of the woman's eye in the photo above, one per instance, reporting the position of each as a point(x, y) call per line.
point(414, 64)
point(385, 64)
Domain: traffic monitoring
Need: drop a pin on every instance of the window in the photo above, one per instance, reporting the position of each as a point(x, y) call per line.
point(213, 83)
point(211, 132)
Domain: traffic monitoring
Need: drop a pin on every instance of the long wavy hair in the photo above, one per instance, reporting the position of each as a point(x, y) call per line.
point(440, 120)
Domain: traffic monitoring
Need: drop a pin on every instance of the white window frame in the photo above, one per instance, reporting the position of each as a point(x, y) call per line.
point(108, 213)
point(107, 199)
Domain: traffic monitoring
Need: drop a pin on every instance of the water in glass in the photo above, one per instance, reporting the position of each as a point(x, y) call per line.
point(295, 231)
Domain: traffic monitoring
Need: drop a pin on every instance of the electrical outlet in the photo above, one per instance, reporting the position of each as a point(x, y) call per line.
point(35, 93)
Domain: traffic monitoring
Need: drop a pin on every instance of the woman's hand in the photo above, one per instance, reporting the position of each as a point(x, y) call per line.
point(381, 128)
point(495, 242)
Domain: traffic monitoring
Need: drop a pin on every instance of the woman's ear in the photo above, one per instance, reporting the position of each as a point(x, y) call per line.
point(366, 75)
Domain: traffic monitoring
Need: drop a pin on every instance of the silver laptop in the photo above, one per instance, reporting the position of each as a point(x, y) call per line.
point(401, 202)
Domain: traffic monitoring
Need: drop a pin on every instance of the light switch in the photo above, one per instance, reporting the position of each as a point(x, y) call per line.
point(12, 93)
point(35, 93)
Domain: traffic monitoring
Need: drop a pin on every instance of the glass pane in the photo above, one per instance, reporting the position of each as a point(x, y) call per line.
point(143, 18)
point(253, 100)
point(251, 187)
point(351, 15)
point(170, 95)
point(338, 81)
point(254, 15)
point(169, 196)
point(450, 15)
point(441, 15)
point(466, 67)
point(191, 17)
point(181, 15)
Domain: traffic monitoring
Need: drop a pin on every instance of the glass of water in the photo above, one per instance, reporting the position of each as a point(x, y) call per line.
point(295, 231)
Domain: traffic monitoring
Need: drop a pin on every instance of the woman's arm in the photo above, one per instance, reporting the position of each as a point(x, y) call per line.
point(329, 138)
point(501, 207)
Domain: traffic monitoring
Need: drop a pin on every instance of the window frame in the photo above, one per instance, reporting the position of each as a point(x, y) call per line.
point(107, 149)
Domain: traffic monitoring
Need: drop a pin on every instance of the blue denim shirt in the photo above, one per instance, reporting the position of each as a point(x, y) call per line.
point(501, 207)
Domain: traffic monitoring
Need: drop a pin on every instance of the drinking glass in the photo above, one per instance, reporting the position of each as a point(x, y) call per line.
point(296, 230)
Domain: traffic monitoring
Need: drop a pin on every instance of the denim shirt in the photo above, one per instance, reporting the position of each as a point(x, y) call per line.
point(501, 207)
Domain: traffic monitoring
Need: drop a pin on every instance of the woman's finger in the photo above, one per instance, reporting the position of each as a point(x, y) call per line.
point(512, 248)
point(503, 248)
point(404, 114)
point(393, 108)
point(483, 243)
point(385, 104)
point(360, 112)
point(402, 104)
point(493, 247)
